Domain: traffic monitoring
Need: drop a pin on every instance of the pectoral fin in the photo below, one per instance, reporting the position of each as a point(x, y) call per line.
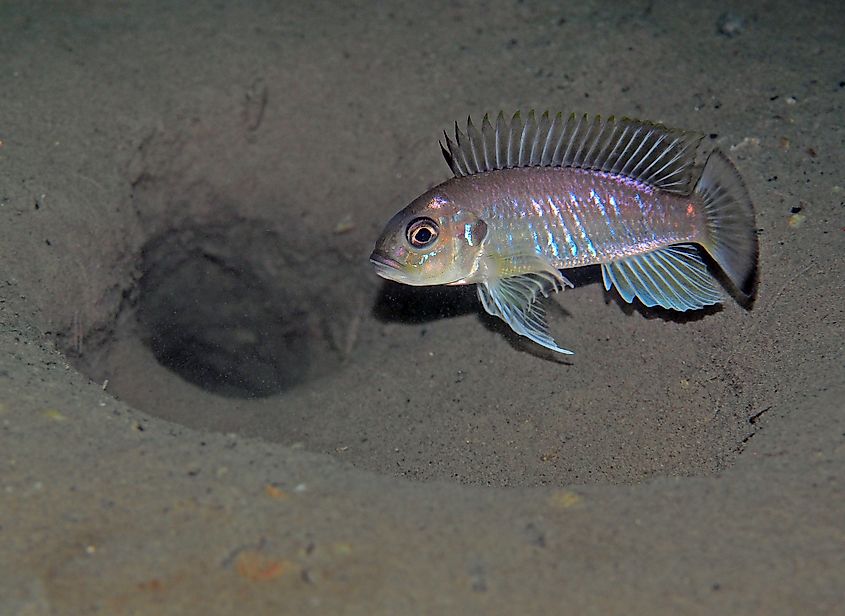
point(514, 300)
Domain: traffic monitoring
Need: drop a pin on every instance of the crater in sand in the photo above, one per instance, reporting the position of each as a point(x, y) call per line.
point(243, 318)
point(209, 313)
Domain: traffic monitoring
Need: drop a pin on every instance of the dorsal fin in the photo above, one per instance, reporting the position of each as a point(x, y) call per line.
point(642, 151)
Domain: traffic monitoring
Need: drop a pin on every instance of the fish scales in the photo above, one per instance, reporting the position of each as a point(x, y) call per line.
point(579, 217)
point(533, 197)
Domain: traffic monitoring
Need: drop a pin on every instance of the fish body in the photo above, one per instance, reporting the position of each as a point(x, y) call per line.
point(530, 199)
point(573, 217)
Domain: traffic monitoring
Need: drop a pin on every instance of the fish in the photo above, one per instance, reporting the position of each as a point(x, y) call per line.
point(669, 222)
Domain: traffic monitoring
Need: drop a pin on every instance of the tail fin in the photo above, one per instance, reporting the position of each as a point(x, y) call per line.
point(731, 236)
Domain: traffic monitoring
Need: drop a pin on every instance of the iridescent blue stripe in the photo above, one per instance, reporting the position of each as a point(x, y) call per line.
point(538, 245)
point(575, 205)
point(600, 204)
point(552, 242)
point(536, 216)
point(645, 208)
point(615, 207)
point(554, 219)
point(560, 220)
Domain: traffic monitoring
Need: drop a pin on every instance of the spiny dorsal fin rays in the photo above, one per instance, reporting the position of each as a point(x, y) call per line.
point(539, 136)
point(502, 136)
point(479, 140)
point(549, 145)
point(514, 137)
point(451, 160)
point(571, 146)
point(476, 145)
point(448, 157)
point(595, 143)
point(650, 153)
point(526, 143)
point(465, 151)
point(488, 135)
point(604, 161)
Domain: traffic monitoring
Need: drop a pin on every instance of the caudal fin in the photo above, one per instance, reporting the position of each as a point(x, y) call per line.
point(731, 236)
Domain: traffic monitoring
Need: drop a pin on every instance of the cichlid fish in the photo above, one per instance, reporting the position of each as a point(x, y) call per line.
point(531, 198)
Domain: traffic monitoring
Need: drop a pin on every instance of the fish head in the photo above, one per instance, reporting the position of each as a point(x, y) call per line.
point(431, 242)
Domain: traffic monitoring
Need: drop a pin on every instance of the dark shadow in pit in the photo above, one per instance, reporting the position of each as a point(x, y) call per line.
point(211, 318)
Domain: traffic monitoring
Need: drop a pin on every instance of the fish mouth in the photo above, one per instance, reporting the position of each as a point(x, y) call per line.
point(387, 267)
point(379, 259)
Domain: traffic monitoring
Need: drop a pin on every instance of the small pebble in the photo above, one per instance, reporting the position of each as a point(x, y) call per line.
point(796, 220)
point(745, 143)
point(730, 24)
point(345, 225)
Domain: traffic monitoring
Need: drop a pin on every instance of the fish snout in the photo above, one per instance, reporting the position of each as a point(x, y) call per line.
point(386, 267)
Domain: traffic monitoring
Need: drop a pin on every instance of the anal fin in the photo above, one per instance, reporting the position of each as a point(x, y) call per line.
point(673, 277)
point(514, 300)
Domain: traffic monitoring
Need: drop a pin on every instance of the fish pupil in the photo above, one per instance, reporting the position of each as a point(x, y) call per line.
point(421, 232)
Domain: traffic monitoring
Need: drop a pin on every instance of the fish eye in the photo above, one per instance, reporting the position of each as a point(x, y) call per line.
point(421, 232)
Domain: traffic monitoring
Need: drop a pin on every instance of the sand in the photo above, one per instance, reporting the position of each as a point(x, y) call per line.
point(209, 404)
